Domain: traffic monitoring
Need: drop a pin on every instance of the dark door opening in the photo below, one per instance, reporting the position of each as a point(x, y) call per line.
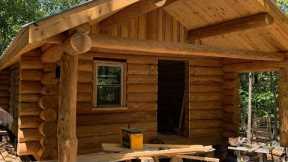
point(171, 84)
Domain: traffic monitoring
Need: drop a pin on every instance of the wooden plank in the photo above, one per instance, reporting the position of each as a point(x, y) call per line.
point(154, 48)
point(133, 11)
point(230, 26)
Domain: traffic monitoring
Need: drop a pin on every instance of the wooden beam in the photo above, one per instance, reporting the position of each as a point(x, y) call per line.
point(36, 34)
point(230, 26)
point(52, 54)
point(135, 10)
point(283, 106)
point(66, 132)
point(256, 66)
point(169, 49)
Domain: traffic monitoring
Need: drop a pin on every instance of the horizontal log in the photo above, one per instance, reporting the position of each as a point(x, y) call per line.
point(88, 108)
point(198, 71)
point(48, 129)
point(32, 63)
point(48, 115)
point(31, 75)
point(28, 87)
point(29, 122)
point(207, 78)
point(205, 62)
point(26, 135)
point(47, 153)
point(48, 102)
point(99, 130)
point(154, 48)
point(50, 90)
point(230, 26)
point(29, 109)
point(142, 88)
point(205, 88)
point(142, 60)
point(205, 114)
point(85, 77)
point(255, 67)
point(29, 97)
point(142, 79)
point(123, 117)
point(209, 96)
point(142, 97)
point(84, 97)
point(205, 132)
point(85, 65)
point(199, 124)
point(137, 69)
point(28, 148)
point(49, 142)
point(49, 78)
point(85, 88)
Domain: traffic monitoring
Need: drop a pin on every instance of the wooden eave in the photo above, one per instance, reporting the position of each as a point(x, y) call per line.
point(33, 35)
point(37, 33)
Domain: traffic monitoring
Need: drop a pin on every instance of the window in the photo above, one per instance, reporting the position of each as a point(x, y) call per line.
point(109, 84)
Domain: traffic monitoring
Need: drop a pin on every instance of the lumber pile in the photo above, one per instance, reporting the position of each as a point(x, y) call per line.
point(152, 152)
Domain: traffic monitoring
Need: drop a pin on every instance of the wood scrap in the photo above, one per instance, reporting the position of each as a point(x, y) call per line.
point(208, 159)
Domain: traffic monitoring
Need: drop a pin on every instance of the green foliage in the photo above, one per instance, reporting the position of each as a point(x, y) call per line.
point(264, 95)
point(283, 5)
point(15, 13)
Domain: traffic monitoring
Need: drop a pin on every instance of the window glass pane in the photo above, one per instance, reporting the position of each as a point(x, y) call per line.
point(108, 95)
point(108, 75)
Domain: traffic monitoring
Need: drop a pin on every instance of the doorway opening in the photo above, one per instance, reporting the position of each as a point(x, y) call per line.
point(171, 90)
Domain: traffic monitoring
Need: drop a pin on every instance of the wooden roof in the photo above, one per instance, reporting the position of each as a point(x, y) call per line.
point(193, 14)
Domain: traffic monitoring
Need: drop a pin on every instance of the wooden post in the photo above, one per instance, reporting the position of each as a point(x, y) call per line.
point(283, 106)
point(67, 138)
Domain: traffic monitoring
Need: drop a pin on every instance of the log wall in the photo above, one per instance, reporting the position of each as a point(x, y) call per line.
point(95, 126)
point(4, 89)
point(30, 73)
point(206, 96)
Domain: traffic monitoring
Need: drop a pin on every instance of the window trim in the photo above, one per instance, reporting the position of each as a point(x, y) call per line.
point(120, 64)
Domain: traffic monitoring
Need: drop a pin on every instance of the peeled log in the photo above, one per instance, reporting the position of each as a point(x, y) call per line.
point(48, 129)
point(48, 115)
point(52, 54)
point(49, 142)
point(78, 43)
point(25, 135)
point(47, 153)
point(28, 148)
point(283, 106)
point(66, 130)
point(48, 102)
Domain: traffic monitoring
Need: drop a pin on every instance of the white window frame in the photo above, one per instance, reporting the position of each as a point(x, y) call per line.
point(122, 65)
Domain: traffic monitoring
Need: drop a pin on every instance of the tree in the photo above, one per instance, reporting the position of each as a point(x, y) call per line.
point(16, 13)
point(283, 5)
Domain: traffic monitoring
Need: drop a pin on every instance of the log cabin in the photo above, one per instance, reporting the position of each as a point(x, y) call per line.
point(170, 67)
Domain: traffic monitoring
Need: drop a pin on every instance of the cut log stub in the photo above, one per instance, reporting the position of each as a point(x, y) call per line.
point(48, 115)
point(48, 102)
point(48, 129)
point(78, 43)
point(52, 54)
